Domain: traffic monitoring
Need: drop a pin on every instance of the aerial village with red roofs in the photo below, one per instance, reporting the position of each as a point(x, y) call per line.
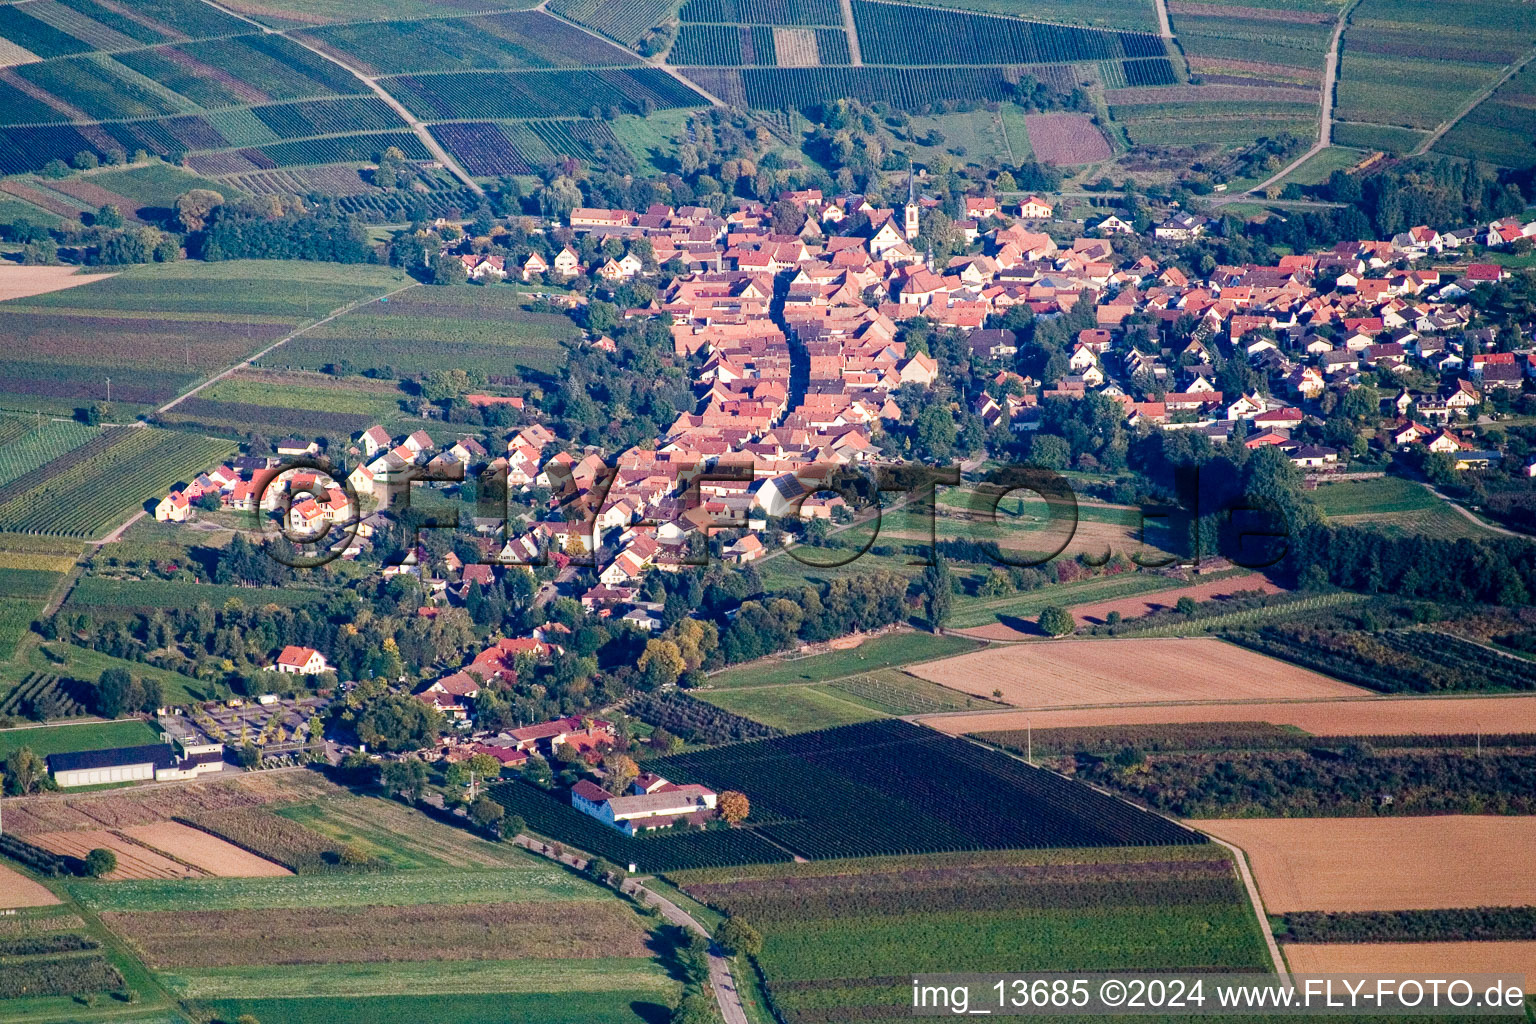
point(797, 354)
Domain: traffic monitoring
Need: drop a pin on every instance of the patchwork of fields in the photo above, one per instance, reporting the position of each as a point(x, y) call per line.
point(351, 948)
point(171, 324)
point(842, 938)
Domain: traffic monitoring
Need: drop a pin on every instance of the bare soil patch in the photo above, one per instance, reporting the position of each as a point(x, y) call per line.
point(23, 282)
point(1386, 863)
point(499, 931)
point(1194, 10)
point(1066, 139)
point(207, 852)
point(11, 55)
point(17, 890)
point(1135, 607)
point(1415, 959)
point(1071, 673)
point(1210, 94)
point(1253, 68)
point(795, 47)
point(133, 860)
point(1370, 716)
point(145, 805)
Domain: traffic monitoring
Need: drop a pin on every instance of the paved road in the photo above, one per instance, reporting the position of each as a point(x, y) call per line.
point(1325, 126)
point(720, 978)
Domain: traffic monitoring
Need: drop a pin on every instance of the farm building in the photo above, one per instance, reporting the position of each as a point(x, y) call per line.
point(119, 764)
point(664, 805)
point(152, 761)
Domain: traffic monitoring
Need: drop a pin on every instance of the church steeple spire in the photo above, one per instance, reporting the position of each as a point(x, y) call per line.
point(910, 221)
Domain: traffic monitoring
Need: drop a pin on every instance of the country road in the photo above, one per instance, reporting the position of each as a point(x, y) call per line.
point(440, 154)
point(1325, 124)
point(720, 977)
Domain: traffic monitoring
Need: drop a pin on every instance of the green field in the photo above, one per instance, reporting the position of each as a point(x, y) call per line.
point(842, 938)
point(875, 653)
point(101, 593)
point(1388, 138)
point(1407, 92)
point(171, 325)
point(61, 739)
point(1137, 15)
point(978, 611)
point(1364, 497)
point(155, 186)
point(534, 880)
point(1316, 170)
point(435, 328)
point(87, 665)
point(614, 1006)
point(792, 708)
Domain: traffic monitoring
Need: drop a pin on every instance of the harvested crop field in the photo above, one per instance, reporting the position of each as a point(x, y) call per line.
point(17, 890)
point(29, 816)
point(133, 860)
point(210, 853)
point(21, 282)
point(477, 931)
point(1071, 673)
point(1198, 10)
point(1371, 716)
point(1066, 139)
point(1386, 863)
point(1136, 607)
point(1415, 959)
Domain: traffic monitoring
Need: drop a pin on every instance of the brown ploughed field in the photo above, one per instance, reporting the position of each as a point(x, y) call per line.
point(17, 890)
point(1075, 673)
point(1386, 863)
point(208, 852)
point(1415, 959)
point(1370, 716)
point(133, 860)
point(1146, 604)
point(23, 282)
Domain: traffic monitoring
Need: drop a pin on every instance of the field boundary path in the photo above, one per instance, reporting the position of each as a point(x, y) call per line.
point(251, 360)
point(851, 30)
point(1242, 859)
point(1470, 517)
point(1164, 24)
point(720, 978)
point(1246, 874)
point(417, 127)
point(1446, 125)
point(659, 61)
point(1325, 122)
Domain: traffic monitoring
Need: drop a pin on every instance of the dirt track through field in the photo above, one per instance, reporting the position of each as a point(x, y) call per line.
point(1416, 959)
point(206, 851)
point(1368, 716)
point(1386, 863)
point(1072, 673)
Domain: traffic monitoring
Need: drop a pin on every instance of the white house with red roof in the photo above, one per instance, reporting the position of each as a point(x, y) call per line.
point(300, 661)
point(664, 805)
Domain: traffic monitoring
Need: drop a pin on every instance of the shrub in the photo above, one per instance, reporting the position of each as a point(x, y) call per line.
point(100, 862)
